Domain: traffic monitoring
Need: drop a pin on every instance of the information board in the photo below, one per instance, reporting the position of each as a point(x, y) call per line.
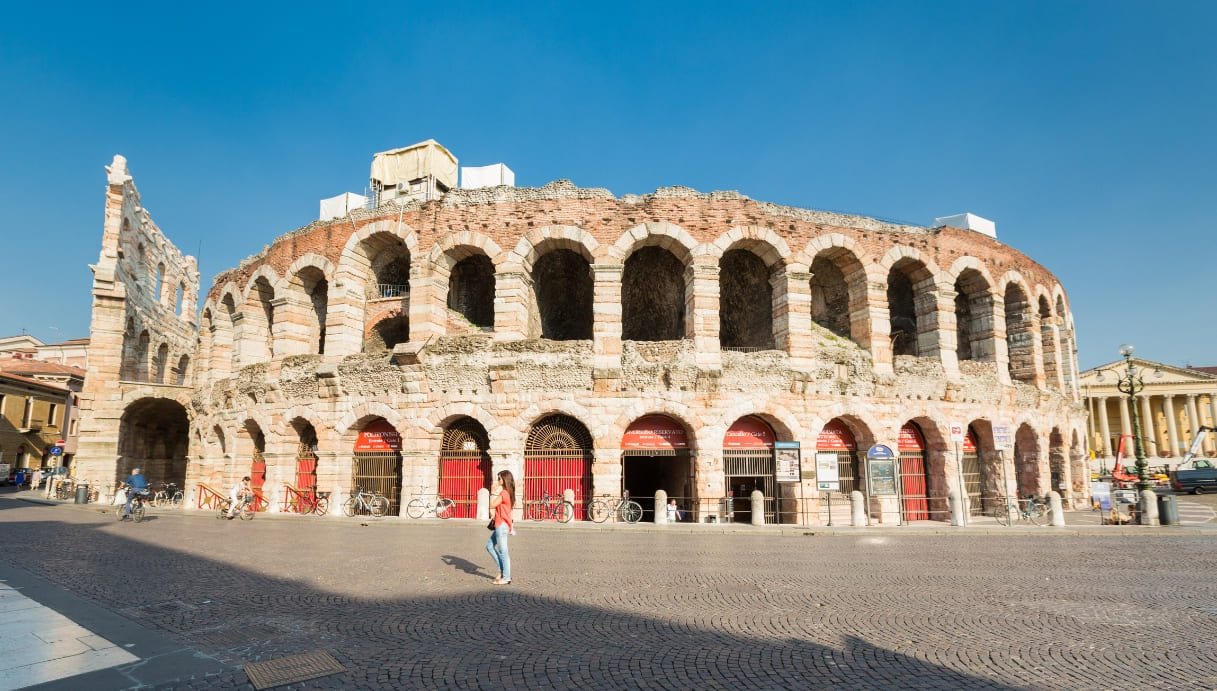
point(828, 472)
point(882, 476)
point(786, 453)
point(1003, 437)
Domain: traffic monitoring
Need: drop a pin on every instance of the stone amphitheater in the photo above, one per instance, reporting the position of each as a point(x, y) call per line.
point(705, 345)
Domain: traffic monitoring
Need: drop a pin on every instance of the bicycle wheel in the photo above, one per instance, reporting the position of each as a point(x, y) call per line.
point(177, 498)
point(1002, 513)
point(379, 505)
point(566, 511)
point(157, 498)
point(445, 508)
point(599, 511)
point(247, 512)
point(535, 510)
point(415, 509)
point(322, 506)
point(137, 512)
point(348, 506)
point(631, 512)
point(1036, 514)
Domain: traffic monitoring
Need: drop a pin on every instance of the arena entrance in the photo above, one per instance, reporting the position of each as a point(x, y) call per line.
point(464, 465)
point(837, 439)
point(655, 456)
point(748, 465)
point(914, 480)
point(558, 457)
point(153, 435)
point(376, 463)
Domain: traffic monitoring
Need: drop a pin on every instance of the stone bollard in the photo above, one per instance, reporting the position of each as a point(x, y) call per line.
point(956, 508)
point(1149, 508)
point(1056, 510)
point(483, 510)
point(857, 509)
point(661, 507)
point(758, 507)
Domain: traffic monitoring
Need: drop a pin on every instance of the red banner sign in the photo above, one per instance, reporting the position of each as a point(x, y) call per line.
point(378, 436)
point(910, 438)
point(836, 437)
point(748, 433)
point(655, 432)
point(969, 441)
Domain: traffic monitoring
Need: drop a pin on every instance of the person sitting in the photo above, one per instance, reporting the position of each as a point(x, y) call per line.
point(137, 485)
point(240, 495)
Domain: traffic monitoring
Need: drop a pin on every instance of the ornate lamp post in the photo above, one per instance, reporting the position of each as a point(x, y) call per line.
point(1132, 383)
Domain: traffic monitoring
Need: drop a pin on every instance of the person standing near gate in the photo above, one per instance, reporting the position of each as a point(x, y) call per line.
point(502, 496)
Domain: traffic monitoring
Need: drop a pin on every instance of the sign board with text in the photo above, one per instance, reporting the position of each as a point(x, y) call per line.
point(1003, 437)
point(786, 454)
point(828, 472)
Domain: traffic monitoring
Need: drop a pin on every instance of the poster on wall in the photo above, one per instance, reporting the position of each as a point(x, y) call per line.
point(378, 436)
point(786, 454)
point(828, 472)
point(881, 470)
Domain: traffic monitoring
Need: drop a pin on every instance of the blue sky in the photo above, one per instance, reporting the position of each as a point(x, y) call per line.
point(1084, 129)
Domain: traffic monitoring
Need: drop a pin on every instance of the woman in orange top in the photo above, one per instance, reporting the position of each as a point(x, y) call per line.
point(502, 495)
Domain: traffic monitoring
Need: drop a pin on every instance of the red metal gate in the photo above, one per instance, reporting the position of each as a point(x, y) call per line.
point(306, 468)
point(464, 465)
point(257, 471)
point(914, 485)
point(558, 457)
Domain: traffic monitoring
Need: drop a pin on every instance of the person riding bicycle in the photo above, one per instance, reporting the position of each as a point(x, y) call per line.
point(137, 485)
point(240, 495)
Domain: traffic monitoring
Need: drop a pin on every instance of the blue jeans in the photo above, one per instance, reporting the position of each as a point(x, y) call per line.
point(497, 546)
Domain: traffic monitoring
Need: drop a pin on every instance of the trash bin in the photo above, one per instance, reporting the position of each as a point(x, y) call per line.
point(82, 494)
point(1168, 510)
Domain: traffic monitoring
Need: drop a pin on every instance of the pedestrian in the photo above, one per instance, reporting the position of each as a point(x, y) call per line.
point(673, 511)
point(502, 497)
point(36, 480)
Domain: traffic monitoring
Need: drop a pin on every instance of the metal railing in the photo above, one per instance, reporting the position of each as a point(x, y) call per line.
point(390, 290)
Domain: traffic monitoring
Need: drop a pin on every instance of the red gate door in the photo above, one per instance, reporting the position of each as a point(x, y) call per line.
point(914, 487)
point(257, 471)
point(557, 457)
point(306, 468)
point(464, 465)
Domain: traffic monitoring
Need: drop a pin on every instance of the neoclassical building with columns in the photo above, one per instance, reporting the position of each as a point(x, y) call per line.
point(1171, 408)
point(596, 345)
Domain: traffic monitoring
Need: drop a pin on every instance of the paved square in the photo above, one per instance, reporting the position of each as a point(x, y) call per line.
point(404, 603)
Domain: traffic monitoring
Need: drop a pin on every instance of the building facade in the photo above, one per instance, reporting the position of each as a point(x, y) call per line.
point(707, 345)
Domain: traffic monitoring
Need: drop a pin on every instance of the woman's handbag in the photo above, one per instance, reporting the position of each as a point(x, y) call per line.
point(490, 525)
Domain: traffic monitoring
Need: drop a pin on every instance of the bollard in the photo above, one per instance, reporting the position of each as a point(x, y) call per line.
point(758, 507)
point(483, 509)
point(956, 508)
point(1056, 510)
point(1148, 507)
point(857, 509)
point(661, 507)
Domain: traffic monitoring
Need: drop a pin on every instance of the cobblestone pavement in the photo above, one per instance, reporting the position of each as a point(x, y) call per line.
point(409, 604)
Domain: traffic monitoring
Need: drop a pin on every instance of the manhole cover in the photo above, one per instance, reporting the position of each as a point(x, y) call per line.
point(289, 670)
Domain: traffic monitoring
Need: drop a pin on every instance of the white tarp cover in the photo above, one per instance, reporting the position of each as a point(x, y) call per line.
point(413, 162)
point(336, 207)
point(473, 177)
point(968, 221)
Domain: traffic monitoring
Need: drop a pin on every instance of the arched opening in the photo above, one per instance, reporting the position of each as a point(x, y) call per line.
point(142, 363)
point(558, 457)
point(471, 288)
point(127, 368)
point(162, 363)
point(974, 317)
point(228, 327)
point(315, 288)
point(154, 435)
point(1066, 337)
point(914, 474)
point(391, 268)
point(160, 284)
point(464, 465)
point(745, 309)
point(306, 456)
point(982, 474)
point(748, 465)
point(252, 444)
point(564, 292)
point(1019, 340)
point(836, 440)
point(264, 335)
point(655, 456)
point(1027, 461)
point(1049, 345)
point(909, 285)
point(652, 296)
point(394, 328)
point(376, 463)
point(179, 374)
point(1057, 459)
point(177, 300)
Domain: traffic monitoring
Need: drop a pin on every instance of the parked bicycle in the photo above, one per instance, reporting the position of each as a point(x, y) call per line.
point(245, 511)
point(167, 495)
point(550, 508)
point(1030, 509)
point(629, 511)
point(365, 502)
point(309, 501)
point(442, 507)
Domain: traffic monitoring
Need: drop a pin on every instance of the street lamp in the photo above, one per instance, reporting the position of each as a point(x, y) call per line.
point(1133, 383)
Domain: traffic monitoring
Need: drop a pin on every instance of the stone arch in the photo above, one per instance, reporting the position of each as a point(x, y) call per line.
point(662, 234)
point(654, 294)
point(1020, 329)
point(1050, 341)
point(385, 330)
point(562, 295)
point(546, 239)
point(385, 246)
point(764, 242)
point(154, 435)
point(361, 414)
point(161, 364)
point(748, 263)
point(452, 248)
point(839, 287)
point(181, 372)
point(443, 416)
point(305, 261)
point(308, 288)
point(307, 413)
point(614, 429)
point(143, 357)
point(911, 300)
point(1027, 461)
point(975, 310)
point(1068, 363)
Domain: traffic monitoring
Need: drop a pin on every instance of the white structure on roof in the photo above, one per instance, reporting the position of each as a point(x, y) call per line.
point(968, 221)
point(422, 172)
point(473, 177)
point(337, 207)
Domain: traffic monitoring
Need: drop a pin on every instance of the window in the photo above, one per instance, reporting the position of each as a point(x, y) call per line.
point(1, 405)
point(50, 415)
point(72, 427)
point(28, 416)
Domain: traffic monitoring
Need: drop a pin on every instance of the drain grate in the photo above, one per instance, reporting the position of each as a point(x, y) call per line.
point(289, 670)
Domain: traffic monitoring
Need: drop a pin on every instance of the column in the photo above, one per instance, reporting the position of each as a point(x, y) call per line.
point(937, 333)
point(1091, 424)
point(878, 326)
point(1125, 423)
point(1168, 408)
point(1147, 426)
point(1193, 419)
point(1107, 450)
point(1213, 411)
point(792, 313)
point(606, 326)
point(701, 320)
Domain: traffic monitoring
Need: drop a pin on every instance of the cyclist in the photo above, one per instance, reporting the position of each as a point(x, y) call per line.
point(137, 485)
point(241, 494)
